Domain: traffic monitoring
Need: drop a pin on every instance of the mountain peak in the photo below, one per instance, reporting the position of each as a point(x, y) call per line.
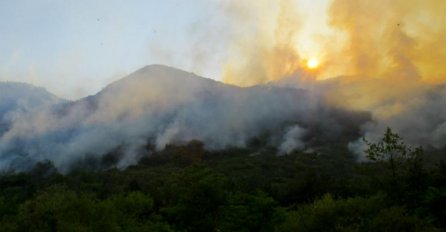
point(16, 96)
point(158, 67)
point(154, 70)
point(16, 90)
point(157, 75)
point(164, 71)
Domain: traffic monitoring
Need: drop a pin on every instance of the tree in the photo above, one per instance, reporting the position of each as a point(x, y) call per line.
point(193, 197)
point(249, 212)
point(392, 150)
point(353, 214)
point(408, 179)
point(60, 209)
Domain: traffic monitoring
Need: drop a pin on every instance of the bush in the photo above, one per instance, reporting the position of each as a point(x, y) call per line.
point(352, 214)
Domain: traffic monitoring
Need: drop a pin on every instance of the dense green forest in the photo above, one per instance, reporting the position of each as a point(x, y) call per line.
point(186, 188)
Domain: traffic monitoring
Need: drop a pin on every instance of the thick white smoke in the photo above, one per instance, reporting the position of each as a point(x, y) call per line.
point(292, 140)
point(158, 105)
point(388, 57)
point(419, 117)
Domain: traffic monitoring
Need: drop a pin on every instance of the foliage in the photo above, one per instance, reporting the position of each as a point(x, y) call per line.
point(392, 150)
point(353, 214)
point(249, 212)
point(408, 177)
point(186, 188)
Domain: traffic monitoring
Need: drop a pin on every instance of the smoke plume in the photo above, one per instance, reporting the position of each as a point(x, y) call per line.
point(263, 49)
point(292, 140)
point(159, 105)
point(381, 57)
point(393, 67)
point(385, 58)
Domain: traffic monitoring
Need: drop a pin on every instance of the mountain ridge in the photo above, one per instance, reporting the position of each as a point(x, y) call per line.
point(160, 105)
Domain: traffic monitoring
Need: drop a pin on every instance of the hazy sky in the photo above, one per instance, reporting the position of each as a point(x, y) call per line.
point(75, 47)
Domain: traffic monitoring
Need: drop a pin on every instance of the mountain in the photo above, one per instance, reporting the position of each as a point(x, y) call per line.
point(22, 97)
point(17, 98)
point(160, 105)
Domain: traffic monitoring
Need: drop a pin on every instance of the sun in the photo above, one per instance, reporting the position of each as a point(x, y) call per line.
point(312, 63)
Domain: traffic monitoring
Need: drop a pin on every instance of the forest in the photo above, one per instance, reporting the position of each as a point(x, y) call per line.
point(188, 188)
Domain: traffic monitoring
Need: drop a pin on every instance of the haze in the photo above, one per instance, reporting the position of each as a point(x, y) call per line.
point(75, 48)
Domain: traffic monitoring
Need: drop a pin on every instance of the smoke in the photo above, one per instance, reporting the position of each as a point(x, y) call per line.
point(392, 39)
point(393, 54)
point(382, 57)
point(158, 105)
point(292, 140)
point(362, 40)
point(262, 50)
point(385, 58)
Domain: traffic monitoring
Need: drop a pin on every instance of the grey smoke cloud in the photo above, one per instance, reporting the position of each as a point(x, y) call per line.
point(292, 140)
point(419, 117)
point(158, 105)
point(161, 106)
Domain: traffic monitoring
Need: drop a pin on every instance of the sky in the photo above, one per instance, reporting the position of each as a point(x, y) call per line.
point(74, 48)
point(383, 57)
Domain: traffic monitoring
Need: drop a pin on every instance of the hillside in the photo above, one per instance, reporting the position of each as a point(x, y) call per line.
point(159, 105)
point(166, 150)
point(188, 188)
point(23, 97)
point(18, 98)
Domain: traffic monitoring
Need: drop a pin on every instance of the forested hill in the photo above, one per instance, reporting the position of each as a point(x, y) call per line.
point(188, 188)
point(166, 150)
point(17, 98)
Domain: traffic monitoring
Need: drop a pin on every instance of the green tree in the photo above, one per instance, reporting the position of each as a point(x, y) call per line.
point(193, 197)
point(60, 209)
point(392, 151)
point(353, 214)
point(249, 212)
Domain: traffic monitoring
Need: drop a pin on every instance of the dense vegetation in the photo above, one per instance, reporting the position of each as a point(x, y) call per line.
point(185, 188)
